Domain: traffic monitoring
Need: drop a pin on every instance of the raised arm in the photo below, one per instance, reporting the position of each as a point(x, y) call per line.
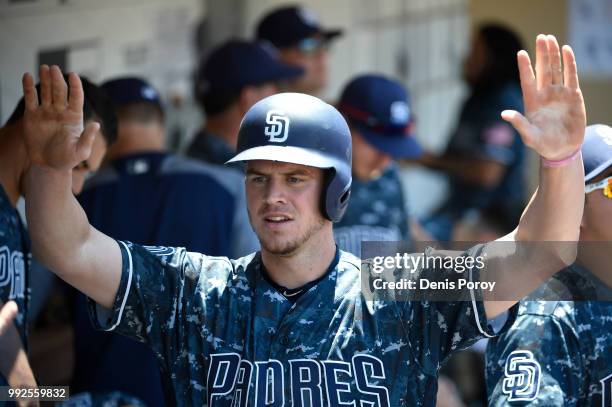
point(56, 141)
point(553, 126)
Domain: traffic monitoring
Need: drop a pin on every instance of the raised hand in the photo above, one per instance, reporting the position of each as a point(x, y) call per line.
point(555, 117)
point(54, 133)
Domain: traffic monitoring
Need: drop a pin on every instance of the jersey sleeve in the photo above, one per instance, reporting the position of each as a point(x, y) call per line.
point(156, 289)
point(439, 328)
point(536, 363)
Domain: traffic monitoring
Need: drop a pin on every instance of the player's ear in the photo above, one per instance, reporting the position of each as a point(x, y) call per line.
point(248, 97)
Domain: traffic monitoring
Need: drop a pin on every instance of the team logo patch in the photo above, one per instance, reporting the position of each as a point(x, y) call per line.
point(605, 133)
point(277, 126)
point(521, 376)
point(400, 112)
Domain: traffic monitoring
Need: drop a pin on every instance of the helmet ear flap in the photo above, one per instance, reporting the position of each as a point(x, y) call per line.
point(335, 196)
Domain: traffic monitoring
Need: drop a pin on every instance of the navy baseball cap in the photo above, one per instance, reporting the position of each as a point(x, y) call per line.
point(128, 90)
point(596, 150)
point(287, 26)
point(380, 109)
point(236, 64)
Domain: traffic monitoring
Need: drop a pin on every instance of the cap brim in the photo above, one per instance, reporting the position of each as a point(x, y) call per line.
point(598, 170)
point(397, 146)
point(331, 34)
point(285, 154)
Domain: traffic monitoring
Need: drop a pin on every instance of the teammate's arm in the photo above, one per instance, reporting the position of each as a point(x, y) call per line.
point(553, 126)
point(14, 365)
point(56, 140)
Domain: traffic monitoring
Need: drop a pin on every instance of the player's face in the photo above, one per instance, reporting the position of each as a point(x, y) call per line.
point(368, 162)
point(283, 203)
point(91, 165)
point(311, 55)
point(597, 217)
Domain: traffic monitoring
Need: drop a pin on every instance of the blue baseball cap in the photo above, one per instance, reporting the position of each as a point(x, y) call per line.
point(287, 26)
point(379, 108)
point(236, 64)
point(128, 90)
point(596, 150)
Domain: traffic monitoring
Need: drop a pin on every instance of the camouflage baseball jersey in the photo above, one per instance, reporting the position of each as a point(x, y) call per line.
point(228, 338)
point(376, 212)
point(14, 261)
point(557, 352)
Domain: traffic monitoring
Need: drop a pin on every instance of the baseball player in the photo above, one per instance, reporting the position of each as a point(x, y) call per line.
point(301, 41)
point(15, 264)
point(560, 352)
point(378, 113)
point(289, 324)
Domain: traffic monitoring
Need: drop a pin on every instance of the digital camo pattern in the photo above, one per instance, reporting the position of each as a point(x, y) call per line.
point(557, 353)
point(14, 261)
point(226, 336)
point(376, 212)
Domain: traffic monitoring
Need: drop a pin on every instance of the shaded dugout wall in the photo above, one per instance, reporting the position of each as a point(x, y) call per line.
point(421, 42)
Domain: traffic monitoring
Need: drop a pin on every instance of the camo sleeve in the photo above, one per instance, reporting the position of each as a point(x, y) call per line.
point(536, 363)
point(155, 293)
point(440, 327)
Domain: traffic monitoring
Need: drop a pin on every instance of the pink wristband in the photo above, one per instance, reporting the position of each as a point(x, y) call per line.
point(560, 163)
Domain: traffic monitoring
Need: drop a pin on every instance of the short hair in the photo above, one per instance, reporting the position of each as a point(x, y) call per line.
point(141, 112)
point(97, 105)
point(214, 101)
point(501, 44)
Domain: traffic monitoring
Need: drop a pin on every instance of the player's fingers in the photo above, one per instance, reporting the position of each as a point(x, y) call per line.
point(520, 123)
point(7, 314)
point(75, 100)
point(528, 82)
point(59, 88)
point(570, 71)
point(84, 145)
point(45, 86)
point(30, 96)
point(543, 71)
point(555, 61)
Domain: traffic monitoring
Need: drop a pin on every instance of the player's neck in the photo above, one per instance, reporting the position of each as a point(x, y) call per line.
point(13, 161)
point(307, 264)
point(225, 126)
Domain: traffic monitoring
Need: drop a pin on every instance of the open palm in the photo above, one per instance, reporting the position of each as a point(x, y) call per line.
point(555, 117)
point(53, 129)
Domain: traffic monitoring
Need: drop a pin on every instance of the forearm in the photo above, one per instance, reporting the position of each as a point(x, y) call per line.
point(555, 211)
point(14, 365)
point(469, 169)
point(58, 225)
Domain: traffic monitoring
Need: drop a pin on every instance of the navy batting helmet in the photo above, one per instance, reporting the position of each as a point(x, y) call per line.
point(301, 129)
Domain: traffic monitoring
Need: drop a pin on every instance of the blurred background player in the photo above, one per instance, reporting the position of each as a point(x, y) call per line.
point(484, 157)
point(302, 42)
point(149, 196)
point(378, 112)
point(566, 344)
point(235, 76)
point(18, 282)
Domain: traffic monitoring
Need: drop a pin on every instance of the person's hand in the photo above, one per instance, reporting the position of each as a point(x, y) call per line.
point(555, 118)
point(8, 312)
point(54, 133)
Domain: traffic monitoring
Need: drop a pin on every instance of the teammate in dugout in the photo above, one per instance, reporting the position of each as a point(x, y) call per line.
point(380, 118)
point(16, 267)
point(223, 328)
point(560, 352)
